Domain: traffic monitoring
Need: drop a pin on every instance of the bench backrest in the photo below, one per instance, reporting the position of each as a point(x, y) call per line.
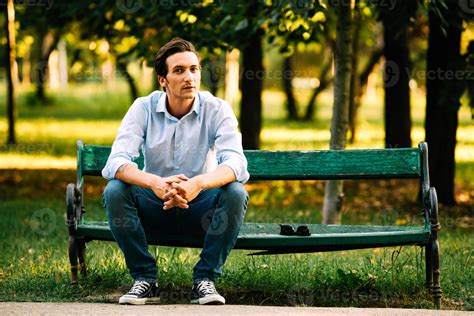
point(401, 163)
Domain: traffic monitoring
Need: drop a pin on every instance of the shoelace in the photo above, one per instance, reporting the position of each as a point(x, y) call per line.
point(206, 287)
point(139, 287)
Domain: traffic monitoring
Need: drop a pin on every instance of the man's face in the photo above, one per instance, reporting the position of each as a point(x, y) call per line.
point(184, 76)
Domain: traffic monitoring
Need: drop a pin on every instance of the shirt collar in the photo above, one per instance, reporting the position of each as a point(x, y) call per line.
point(161, 106)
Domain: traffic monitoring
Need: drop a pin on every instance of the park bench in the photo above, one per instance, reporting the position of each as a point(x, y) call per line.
point(396, 163)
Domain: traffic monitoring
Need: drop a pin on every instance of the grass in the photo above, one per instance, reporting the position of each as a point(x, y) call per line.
point(33, 238)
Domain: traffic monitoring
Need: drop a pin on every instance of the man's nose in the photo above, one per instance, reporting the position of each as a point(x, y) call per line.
point(188, 75)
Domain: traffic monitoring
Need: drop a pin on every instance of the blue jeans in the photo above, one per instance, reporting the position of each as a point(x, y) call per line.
point(215, 215)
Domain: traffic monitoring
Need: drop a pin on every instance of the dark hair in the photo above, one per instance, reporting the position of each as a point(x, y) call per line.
point(176, 45)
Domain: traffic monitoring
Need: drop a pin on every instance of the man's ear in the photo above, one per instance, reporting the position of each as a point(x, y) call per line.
point(162, 81)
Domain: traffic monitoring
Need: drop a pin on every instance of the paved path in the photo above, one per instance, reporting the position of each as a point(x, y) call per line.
point(16, 308)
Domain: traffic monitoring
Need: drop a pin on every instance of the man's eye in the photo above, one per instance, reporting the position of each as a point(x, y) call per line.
point(179, 70)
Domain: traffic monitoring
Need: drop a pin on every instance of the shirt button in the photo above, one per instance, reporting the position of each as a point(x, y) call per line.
point(178, 167)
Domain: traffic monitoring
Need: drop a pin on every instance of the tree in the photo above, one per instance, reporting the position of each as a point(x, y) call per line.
point(294, 23)
point(362, 84)
point(396, 72)
point(287, 79)
point(46, 25)
point(9, 11)
point(443, 94)
point(325, 79)
point(355, 80)
point(333, 195)
point(251, 88)
point(285, 23)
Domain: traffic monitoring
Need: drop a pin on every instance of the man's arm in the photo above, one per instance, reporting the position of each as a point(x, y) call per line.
point(228, 143)
point(129, 139)
point(129, 173)
point(191, 188)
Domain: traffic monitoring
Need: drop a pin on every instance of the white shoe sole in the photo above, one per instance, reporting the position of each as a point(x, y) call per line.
point(214, 299)
point(138, 301)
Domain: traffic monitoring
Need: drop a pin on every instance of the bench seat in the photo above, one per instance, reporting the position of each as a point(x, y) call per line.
point(266, 237)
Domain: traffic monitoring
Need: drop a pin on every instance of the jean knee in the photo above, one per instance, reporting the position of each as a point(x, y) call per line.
point(236, 193)
point(115, 192)
point(115, 189)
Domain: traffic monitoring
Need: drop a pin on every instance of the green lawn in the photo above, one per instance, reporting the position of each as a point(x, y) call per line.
point(33, 237)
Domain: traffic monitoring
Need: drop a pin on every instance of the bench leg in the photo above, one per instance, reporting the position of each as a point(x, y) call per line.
point(434, 249)
point(429, 267)
point(73, 212)
point(436, 288)
point(73, 258)
point(81, 253)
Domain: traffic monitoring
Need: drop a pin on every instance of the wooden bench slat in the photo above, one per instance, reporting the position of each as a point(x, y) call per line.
point(294, 165)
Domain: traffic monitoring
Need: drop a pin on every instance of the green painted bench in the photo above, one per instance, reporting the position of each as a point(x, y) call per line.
point(402, 163)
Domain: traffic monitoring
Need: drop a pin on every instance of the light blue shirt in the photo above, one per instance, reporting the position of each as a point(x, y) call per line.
point(193, 145)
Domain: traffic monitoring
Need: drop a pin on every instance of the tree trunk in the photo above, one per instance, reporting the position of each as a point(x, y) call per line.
point(26, 69)
point(442, 104)
point(355, 84)
point(292, 112)
point(359, 93)
point(396, 84)
point(251, 85)
point(333, 195)
point(62, 64)
point(10, 62)
point(231, 76)
point(131, 83)
point(324, 81)
point(49, 42)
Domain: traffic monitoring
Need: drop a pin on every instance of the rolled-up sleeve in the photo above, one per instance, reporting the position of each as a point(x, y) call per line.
point(228, 143)
point(129, 140)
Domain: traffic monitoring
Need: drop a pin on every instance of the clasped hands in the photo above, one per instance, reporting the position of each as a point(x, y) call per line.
point(176, 191)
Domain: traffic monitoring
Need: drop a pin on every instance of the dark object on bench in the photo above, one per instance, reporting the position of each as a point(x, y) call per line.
point(398, 163)
point(302, 231)
point(287, 230)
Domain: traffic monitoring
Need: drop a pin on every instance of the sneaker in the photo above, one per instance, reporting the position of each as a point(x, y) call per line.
point(140, 293)
point(204, 292)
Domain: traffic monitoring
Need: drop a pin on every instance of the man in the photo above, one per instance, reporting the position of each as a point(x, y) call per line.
point(183, 135)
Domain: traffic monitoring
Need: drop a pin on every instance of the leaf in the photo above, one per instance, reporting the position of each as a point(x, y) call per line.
point(225, 20)
point(242, 25)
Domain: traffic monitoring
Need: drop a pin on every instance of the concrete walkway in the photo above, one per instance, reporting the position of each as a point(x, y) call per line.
point(15, 308)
